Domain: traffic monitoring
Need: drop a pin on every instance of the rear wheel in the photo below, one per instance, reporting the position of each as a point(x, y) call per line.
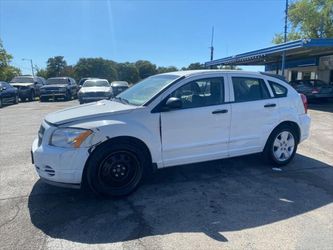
point(31, 96)
point(116, 169)
point(281, 145)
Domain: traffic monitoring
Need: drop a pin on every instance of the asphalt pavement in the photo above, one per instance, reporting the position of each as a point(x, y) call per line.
point(237, 203)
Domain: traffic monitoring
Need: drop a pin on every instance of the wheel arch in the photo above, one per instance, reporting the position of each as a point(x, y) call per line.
point(128, 139)
point(291, 124)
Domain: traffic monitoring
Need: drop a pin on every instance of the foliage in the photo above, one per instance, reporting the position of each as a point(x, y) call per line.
point(128, 72)
point(309, 19)
point(96, 67)
point(194, 66)
point(7, 72)
point(166, 69)
point(56, 66)
point(145, 68)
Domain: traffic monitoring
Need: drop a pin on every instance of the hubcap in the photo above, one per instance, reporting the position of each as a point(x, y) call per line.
point(118, 169)
point(283, 146)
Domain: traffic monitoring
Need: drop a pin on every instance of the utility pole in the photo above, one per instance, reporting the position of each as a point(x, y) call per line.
point(31, 64)
point(285, 38)
point(211, 46)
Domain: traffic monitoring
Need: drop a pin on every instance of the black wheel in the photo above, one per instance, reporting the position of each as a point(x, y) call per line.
point(81, 102)
point(116, 169)
point(1, 103)
point(43, 99)
point(31, 96)
point(281, 146)
point(16, 100)
point(68, 96)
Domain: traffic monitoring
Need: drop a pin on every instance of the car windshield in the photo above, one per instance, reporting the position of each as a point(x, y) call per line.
point(143, 91)
point(22, 80)
point(57, 81)
point(96, 83)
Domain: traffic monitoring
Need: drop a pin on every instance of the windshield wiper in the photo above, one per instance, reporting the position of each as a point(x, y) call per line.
point(119, 99)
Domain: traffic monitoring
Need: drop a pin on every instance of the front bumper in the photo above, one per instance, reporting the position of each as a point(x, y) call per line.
point(304, 123)
point(60, 166)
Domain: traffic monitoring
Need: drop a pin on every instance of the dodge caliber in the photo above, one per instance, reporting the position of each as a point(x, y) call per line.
point(166, 120)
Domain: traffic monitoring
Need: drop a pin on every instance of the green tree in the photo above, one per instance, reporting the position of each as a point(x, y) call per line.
point(194, 66)
point(166, 69)
point(55, 66)
point(96, 67)
point(7, 72)
point(128, 72)
point(145, 68)
point(309, 19)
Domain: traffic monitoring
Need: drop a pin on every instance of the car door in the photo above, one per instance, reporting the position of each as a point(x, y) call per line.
point(7, 93)
point(199, 130)
point(254, 113)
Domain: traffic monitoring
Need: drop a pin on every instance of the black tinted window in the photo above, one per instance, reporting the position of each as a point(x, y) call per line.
point(249, 89)
point(200, 93)
point(278, 89)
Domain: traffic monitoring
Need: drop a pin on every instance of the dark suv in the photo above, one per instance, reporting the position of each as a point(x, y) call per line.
point(28, 86)
point(59, 87)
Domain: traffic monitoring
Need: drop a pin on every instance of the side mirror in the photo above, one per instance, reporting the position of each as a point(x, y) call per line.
point(173, 103)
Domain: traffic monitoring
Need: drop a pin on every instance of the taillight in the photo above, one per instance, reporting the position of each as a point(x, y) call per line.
point(305, 103)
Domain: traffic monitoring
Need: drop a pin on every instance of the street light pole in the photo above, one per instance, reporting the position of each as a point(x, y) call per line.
point(285, 38)
point(31, 64)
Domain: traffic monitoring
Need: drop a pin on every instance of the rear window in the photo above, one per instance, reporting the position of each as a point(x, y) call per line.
point(278, 89)
point(249, 89)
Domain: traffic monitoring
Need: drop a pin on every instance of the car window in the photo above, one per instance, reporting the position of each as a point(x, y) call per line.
point(201, 93)
point(278, 89)
point(249, 89)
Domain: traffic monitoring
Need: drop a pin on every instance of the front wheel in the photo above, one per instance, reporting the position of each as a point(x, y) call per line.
point(281, 146)
point(1, 103)
point(16, 101)
point(116, 169)
point(68, 96)
point(32, 96)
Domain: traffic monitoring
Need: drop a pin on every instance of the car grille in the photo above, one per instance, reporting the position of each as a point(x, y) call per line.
point(52, 89)
point(94, 94)
point(40, 135)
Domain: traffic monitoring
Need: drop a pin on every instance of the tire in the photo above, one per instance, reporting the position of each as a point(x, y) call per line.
point(281, 146)
point(68, 96)
point(116, 169)
point(43, 99)
point(16, 101)
point(31, 96)
point(1, 105)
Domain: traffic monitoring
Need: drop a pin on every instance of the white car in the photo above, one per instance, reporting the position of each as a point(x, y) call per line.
point(94, 90)
point(166, 120)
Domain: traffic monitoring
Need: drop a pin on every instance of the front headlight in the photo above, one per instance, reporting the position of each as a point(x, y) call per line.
point(69, 137)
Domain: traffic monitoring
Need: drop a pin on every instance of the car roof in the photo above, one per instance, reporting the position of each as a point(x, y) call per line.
point(63, 77)
point(187, 73)
point(119, 83)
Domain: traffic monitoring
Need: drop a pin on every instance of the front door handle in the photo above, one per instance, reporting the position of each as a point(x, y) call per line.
point(220, 111)
point(270, 105)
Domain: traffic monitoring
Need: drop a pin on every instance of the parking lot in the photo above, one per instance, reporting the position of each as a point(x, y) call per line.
point(238, 203)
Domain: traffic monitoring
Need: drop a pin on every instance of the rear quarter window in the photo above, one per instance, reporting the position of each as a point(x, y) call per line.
point(278, 89)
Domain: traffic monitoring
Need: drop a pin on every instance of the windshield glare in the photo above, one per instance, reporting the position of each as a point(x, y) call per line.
point(56, 81)
point(90, 83)
point(22, 80)
point(143, 91)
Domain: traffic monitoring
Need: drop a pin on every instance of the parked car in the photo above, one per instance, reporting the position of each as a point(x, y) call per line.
point(28, 86)
point(313, 89)
point(166, 120)
point(8, 94)
point(59, 87)
point(118, 87)
point(94, 90)
point(82, 80)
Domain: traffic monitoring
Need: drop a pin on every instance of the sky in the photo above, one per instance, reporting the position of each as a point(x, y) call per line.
point(164, 32)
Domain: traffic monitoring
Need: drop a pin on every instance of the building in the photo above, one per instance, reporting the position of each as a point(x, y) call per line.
point(305, 59)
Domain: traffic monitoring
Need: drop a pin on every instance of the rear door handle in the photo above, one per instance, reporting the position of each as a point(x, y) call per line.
point(220, 111)
point(270, 105)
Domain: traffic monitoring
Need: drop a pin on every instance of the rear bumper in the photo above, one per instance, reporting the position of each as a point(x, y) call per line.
point(304, 123)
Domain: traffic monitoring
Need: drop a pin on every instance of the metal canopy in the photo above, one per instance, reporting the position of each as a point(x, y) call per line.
point(294, 50)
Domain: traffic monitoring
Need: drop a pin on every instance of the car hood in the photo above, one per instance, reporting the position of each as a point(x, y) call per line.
point(94, 89)
point(54, 86)
point(88, 111)
point(21, 84)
